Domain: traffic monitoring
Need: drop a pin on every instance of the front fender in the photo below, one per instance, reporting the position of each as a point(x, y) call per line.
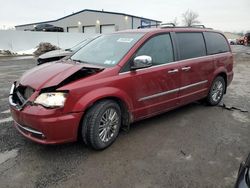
point(106, 92)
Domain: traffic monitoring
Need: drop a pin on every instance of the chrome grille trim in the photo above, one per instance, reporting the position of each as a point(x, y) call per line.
point(29, 130)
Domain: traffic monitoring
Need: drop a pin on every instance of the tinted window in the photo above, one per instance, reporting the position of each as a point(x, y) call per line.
point(216, 43)
point(159, 48)
point(191, 45)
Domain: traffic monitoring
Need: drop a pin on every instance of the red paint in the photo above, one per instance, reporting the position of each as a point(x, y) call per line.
point(62, 125)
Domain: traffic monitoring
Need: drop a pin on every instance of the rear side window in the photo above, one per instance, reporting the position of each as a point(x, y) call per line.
point(216, 43)
point(159, 48)
point(191, 45)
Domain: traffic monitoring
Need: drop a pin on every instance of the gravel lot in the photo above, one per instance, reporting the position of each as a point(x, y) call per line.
point(194, 146)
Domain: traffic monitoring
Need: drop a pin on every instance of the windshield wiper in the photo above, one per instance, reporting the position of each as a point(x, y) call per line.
point(68, 49)
point(79, 61)
point(89, 63)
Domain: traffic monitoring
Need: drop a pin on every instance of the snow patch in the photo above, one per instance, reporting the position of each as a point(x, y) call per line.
point(6, 120)
point(5, 112)
point(27, 52)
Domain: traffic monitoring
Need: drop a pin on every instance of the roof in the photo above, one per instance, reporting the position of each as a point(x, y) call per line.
point(88, 10)
point(169, 29)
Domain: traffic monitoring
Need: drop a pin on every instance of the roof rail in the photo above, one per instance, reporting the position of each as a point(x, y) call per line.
point(167, 25)
point(170, 25)
point(148, 26)
point(156, 25)
point(202, 26)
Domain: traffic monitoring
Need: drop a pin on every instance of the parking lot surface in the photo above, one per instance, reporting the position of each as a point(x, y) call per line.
point(193, 146)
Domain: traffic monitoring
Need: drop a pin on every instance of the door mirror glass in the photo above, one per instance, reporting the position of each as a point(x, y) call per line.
point(142, 61)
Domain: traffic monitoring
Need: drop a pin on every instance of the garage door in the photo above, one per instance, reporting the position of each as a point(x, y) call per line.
point(107, 28)
point(89, 30)
point(73, 29)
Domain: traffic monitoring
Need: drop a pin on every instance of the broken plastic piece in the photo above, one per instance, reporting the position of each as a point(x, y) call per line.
point(183, 153)
point(231, 108)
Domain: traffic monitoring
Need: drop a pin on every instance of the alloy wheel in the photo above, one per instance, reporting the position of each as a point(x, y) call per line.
point(108, 124)
point(217, 91)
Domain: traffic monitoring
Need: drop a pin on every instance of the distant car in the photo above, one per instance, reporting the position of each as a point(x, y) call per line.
point(56, 55)
point(48, 28)
point(240, 41)
point(232, 41)
point(247, 39)
point(243, 179)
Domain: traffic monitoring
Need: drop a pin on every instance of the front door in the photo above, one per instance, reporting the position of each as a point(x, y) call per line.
point(155, 89)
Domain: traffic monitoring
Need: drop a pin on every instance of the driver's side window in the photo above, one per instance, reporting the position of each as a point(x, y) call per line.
point(159, 48)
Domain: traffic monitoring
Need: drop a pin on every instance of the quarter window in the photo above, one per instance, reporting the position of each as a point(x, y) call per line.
point(159, 48)
point(191, 45)
point(216, 43)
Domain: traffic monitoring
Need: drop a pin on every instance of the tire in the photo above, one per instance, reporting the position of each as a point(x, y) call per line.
point(99, 129)
point(216, 91)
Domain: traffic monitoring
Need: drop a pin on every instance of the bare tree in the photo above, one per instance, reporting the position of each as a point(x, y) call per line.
point(190, 18)
point(175, 21)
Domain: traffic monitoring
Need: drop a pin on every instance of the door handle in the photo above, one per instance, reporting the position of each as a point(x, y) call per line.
point(173, 71)
point(185, 68)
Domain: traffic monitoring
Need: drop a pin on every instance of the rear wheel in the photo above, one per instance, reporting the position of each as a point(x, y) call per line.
point(217, 91)
point(101, 124)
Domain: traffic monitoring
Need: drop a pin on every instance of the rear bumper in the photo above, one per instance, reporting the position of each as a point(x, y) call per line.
point(46, 126)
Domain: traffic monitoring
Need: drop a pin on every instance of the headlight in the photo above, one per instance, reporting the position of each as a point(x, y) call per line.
point(52, 99)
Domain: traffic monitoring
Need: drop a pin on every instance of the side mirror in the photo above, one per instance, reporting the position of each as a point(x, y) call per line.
point(142, 61)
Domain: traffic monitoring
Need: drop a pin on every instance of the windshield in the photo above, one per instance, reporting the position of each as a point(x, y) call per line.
point(107, 50)
point(80, 45)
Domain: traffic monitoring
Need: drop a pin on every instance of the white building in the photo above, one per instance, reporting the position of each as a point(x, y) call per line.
point(94, 21)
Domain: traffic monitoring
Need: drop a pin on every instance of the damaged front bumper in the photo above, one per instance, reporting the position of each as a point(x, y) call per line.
point(11, 100)
point(44, 126)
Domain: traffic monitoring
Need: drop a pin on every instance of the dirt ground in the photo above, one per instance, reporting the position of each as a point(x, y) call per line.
point(194, 146)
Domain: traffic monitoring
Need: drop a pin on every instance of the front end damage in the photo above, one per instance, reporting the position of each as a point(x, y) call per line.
point(45, 125)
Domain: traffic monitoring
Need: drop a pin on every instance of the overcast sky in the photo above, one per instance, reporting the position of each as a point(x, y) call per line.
point(225, 15)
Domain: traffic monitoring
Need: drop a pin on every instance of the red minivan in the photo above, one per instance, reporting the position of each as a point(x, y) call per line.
point(118, 79)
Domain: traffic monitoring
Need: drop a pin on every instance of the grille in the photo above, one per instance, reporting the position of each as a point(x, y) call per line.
point(26, 92)
point(22, 94)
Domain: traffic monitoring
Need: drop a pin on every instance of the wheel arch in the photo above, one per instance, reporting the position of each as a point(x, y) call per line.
point(119, 97)
point(223, 74)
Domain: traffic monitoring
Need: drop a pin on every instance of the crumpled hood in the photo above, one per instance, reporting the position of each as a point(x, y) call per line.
point(52, 74)
point(55, 53)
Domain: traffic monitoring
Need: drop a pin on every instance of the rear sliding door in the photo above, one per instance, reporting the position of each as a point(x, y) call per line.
point(195, 66)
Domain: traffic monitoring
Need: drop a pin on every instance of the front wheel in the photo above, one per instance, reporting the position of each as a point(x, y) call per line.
point(101, 124)
point(216, 91)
